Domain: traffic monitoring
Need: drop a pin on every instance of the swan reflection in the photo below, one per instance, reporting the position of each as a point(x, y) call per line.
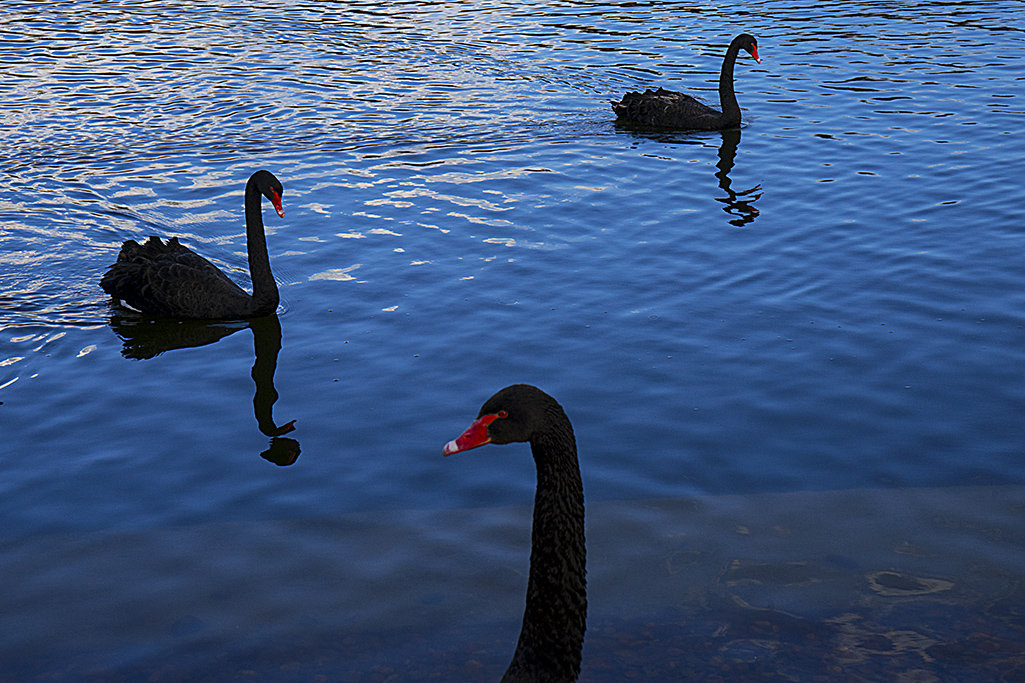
point(143, 338)
point(283, 451)
point(738, 204)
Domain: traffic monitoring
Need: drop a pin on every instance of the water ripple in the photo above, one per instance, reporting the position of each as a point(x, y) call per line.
point(451, 169)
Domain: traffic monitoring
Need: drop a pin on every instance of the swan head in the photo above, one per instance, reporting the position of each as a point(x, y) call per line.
point(749, 43)
point(270, 187)
point(515, 413)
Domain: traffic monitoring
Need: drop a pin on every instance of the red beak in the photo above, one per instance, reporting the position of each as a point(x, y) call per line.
point(275, 199)
point(475, 435)
point(754, 53)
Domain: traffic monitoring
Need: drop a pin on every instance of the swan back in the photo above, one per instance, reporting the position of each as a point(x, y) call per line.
point(170, 280)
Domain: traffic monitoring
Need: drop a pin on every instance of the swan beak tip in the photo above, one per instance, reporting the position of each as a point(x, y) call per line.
point(475, 435)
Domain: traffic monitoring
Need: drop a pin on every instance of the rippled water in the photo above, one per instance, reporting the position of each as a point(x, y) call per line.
point(811, 329)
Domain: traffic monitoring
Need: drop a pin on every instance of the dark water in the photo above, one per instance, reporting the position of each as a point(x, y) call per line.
point(792, 354)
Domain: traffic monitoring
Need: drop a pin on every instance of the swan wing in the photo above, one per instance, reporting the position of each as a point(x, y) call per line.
point(666, 109)
point(169, 279)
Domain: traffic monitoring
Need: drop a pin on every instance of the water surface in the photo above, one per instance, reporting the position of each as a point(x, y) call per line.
point(825, 304)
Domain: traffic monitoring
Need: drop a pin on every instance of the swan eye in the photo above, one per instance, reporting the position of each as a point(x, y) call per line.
point(502, 413)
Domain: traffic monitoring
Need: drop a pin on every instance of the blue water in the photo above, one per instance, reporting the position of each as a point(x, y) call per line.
point(830, 301)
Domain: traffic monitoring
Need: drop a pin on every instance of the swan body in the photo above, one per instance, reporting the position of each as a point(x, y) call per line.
point(167, 279)
point(668, 109)
point(555, 615)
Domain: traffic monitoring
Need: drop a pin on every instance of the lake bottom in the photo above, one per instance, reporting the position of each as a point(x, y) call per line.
point(880, 584)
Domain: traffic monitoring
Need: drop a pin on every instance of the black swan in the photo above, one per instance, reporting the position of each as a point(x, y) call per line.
point(555, 616)
point(172, 281)
point(667, 109)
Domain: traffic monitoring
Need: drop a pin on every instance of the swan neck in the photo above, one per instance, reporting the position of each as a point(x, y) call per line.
point(727, 97)
point(265, 290)
point(554, 619)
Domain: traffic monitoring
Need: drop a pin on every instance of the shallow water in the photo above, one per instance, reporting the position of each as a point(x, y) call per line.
point(828, 302)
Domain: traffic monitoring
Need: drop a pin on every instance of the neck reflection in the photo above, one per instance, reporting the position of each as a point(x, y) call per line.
point(740, 204)
point(266, 344)
point(144, 338)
